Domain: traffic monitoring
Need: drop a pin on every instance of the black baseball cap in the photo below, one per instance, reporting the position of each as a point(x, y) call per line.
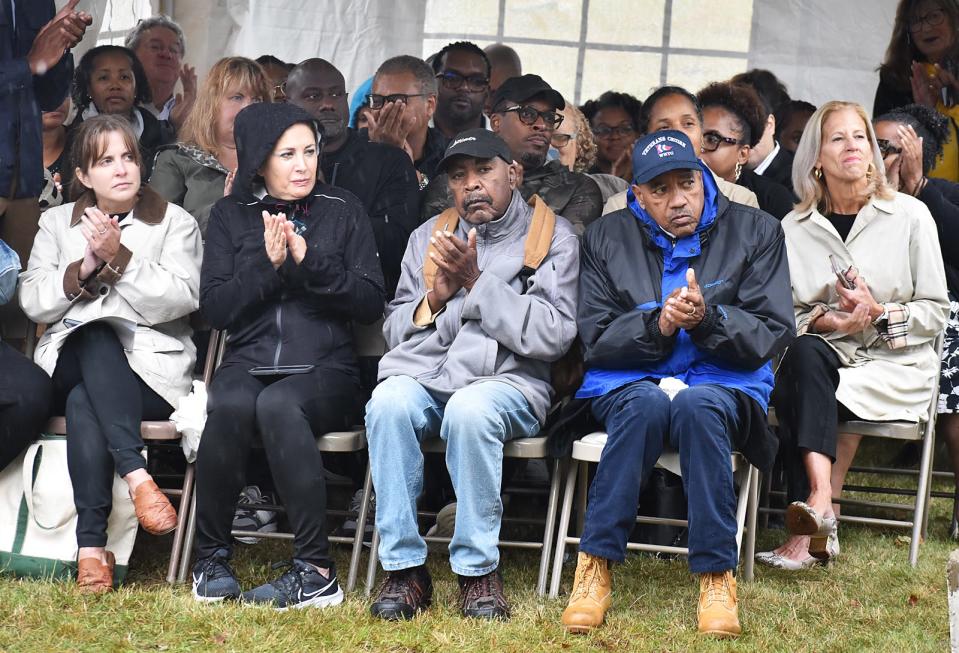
point(661, 152)
point(527, 87)
point(477, 143)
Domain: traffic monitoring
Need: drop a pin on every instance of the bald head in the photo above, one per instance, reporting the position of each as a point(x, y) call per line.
point(504, 63)
point(317, 86)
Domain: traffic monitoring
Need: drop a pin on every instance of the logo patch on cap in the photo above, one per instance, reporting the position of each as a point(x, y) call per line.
point(462, 140)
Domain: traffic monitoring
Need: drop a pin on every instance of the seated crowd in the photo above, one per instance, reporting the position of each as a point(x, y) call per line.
point(708, 255)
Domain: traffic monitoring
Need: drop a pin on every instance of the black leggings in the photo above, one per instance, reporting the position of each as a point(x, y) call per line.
point(104, 402)
point(288, 412)
point(25, 395)
point(806, 408)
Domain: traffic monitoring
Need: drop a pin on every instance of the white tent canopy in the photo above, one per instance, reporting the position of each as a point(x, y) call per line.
point(821, 50)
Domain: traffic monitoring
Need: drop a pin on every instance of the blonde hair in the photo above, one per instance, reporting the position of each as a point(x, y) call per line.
point(586, 148)
point(227, 73)
point(812, 192)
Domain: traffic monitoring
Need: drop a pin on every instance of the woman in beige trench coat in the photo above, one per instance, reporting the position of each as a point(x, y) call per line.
point(866, 333)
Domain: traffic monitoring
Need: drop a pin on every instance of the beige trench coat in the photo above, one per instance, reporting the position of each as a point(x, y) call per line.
point(894, 245)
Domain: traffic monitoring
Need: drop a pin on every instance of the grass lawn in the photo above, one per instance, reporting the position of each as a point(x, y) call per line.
point(869, 600)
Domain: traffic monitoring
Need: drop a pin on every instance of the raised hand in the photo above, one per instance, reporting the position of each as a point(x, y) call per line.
point(910, 168)
point(102, 233)
point(925, 89)
point(185, 100)
point(392, 126)
point(295, 242)
point(456, 258)
point(274, 237)
point(686, 309)
point(64, 31)
point(228, 182)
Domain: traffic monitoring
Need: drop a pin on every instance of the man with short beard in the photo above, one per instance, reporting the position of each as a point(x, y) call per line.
point(525, 117)
point(462, 71)
point(381, 176)
point(684, 301)
point(469, 361)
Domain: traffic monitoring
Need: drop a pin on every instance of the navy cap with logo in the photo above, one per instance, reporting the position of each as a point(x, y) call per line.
point(476, 143)
point(528, 87)
point(661, 152)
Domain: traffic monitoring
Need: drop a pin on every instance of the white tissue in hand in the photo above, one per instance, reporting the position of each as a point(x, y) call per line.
point(671, 386)
point(190, 418)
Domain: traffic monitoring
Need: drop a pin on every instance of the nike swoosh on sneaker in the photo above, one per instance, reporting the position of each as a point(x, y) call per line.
point(305, 596)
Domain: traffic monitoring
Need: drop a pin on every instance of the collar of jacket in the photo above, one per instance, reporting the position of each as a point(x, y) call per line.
point(508, 225)
point(149, 208)
point(198, 156)
point(875, 203)
point(691, 244)
point(553, 168)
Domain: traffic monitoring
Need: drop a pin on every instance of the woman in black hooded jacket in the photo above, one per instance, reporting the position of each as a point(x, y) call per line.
point(289, 263)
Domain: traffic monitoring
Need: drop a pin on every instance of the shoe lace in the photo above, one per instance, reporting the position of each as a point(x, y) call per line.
point(589, 578)
point(393, 586)
point(291, 581)
point(217, 567)
point(481, 587)
point(715, 587)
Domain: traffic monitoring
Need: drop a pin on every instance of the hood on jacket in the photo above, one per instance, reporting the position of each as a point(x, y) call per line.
point(256, 130)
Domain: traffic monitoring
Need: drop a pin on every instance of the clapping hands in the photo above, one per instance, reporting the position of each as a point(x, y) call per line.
point(280, 238)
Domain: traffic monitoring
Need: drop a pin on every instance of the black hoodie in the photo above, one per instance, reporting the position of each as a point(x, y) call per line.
point(298, 314)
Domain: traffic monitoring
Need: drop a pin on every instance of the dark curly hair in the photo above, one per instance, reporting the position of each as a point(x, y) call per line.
point(930, 125)
point(613, 99)
point(659, 94)
point(80, 91)
point(742, 102)
point(463, 46)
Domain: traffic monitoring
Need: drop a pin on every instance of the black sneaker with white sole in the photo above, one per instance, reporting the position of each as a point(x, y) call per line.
point(213, 578)
point(301, 586)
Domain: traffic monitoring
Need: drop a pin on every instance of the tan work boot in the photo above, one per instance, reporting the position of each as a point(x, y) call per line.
point(717, 611)
point(591, 595)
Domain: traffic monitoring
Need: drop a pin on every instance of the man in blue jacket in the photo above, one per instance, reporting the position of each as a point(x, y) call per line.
point(682, 289)
point(35, 74)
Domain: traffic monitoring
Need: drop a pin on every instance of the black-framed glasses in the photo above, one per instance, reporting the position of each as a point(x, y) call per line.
point(887, 148)
point(933, 19)
point(454, 81)
point(379, 101)
point(605, 131)
point(560, 140)
point(528, 115)
point(713, 139)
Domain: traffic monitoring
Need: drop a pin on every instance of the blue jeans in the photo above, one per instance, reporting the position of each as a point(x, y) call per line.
point(475, 422)
point(639, 418)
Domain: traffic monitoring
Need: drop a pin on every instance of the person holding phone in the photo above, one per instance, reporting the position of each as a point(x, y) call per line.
point(870, 296)
point(289, 263)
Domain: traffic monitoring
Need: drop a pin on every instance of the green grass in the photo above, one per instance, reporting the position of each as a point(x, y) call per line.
point(869, 600)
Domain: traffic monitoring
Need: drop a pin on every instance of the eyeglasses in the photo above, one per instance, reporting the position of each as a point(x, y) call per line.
point(933, 19)
point(713, 139)
point(454, 81)
point(605, 131)
point(560, 140)
point(528, 115)
point(887, 148)
point(379, 101)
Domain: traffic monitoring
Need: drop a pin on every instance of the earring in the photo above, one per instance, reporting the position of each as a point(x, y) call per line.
point(817, 173)
point(870, 171)
point(739, 170)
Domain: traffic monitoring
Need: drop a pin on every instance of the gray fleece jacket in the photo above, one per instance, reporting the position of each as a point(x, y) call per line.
point(494, 332)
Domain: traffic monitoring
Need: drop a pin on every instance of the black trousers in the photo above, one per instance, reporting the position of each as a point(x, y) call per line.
point(806, 408)
point(104, 402)
point(286, 411)
point(25, 396)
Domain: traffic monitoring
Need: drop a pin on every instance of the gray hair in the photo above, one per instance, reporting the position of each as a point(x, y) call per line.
point(134, 36)
point(415, 66)
point(812, 192)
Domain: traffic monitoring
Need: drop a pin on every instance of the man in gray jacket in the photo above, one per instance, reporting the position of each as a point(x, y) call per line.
point(469, 361)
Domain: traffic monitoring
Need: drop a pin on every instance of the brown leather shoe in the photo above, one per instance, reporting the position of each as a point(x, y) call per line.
point(483, 596)
point(94, 577)
point(591, 595)
point(718, 610)
point(154, 510)
point(403, 594)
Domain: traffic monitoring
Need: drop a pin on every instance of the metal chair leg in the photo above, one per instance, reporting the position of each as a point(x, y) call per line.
point(371, 566)
point(183, 515)
point(549, 529)
point(360, 531)
point(564, 517)
point(583, 493)
point(187, 550)
point(752, 510)
point(925, 466)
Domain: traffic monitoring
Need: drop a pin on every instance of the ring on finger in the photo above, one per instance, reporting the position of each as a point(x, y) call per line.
point(101, 231)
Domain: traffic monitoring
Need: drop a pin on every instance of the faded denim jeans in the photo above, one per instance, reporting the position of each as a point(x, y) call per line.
point(9, 268)
point(474, 422)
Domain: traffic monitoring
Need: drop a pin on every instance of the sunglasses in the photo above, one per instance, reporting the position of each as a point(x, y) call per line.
point(528, 115)
point(379, 101)
point(887, 148)
point(713, 139)
point(454, 81)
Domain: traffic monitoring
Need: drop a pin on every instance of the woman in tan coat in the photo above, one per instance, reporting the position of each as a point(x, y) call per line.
point(866, 333)
point(114, 276)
